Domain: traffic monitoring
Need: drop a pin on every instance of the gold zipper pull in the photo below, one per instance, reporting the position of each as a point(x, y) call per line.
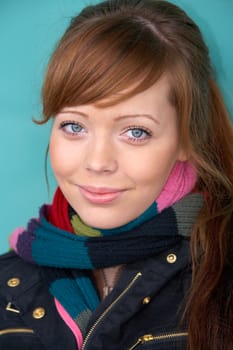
point(149, 337)
point(145, 338)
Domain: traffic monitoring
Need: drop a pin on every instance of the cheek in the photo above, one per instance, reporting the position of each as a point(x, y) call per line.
point(152, 167)
point(60, 157)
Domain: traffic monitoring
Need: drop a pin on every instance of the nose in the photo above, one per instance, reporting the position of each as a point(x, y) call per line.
point(101, 157)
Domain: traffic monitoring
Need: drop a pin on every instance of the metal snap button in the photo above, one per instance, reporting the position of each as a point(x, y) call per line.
point(38, 313)
point(13, 282)
point(146, 300)
point(171, 258)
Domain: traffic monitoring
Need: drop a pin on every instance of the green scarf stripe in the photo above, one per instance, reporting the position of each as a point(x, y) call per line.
point(82, 229)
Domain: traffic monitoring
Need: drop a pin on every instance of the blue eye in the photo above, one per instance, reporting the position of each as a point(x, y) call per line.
point(72, 128)
point(137, 134)
point(75, 128)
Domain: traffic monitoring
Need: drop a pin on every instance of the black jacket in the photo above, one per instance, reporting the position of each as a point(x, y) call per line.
point(143, 311)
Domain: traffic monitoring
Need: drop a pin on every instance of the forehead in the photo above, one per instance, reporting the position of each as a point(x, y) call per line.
point(153, 101)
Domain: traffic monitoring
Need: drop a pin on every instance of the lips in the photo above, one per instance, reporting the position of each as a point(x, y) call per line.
point(100, 195)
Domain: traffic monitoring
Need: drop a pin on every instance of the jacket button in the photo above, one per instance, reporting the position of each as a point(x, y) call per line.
point(13, 282)
point(38, 313)
point(146, 300)
point(171, 258)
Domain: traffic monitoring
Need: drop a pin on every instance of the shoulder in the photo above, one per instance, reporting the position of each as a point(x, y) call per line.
point(9, 258)
point(12, 264)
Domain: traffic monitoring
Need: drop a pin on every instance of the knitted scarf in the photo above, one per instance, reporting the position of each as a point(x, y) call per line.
point(59, 240)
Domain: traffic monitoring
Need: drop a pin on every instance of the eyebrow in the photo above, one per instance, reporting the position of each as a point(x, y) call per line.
point(120, 117)
point(74, 112)
point(149, 116)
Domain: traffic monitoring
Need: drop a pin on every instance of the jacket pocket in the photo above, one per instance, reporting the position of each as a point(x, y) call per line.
point(14, 331)
point(19, 338)
point(161, 341)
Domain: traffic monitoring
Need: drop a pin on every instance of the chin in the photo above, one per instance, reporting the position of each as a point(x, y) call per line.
point(105, 218)
point(103, 224)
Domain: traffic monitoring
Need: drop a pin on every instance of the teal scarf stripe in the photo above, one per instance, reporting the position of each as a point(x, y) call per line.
point(76, 295)
point(147, 215)
point(52, 244)
point(86, 285)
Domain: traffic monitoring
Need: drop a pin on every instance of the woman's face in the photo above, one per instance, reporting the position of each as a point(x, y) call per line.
point(111, 163)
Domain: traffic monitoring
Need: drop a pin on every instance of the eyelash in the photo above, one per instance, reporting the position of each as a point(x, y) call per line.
point(71, 123)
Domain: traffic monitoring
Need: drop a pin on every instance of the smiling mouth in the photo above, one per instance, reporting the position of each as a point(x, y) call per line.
point(100, 195)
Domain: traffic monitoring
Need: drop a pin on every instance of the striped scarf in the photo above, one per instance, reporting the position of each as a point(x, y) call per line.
point(59, 240)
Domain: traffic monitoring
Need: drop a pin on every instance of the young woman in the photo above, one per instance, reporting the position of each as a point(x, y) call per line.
point(136, 250)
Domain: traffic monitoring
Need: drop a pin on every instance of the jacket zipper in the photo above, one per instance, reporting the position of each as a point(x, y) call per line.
point(16, 330)
point(139, 274)
point(149, 338)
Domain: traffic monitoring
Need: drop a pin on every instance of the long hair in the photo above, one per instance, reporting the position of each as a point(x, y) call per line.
point(118, 48)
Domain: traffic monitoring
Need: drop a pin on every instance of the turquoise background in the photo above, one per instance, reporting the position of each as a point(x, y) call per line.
point(29, 30)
